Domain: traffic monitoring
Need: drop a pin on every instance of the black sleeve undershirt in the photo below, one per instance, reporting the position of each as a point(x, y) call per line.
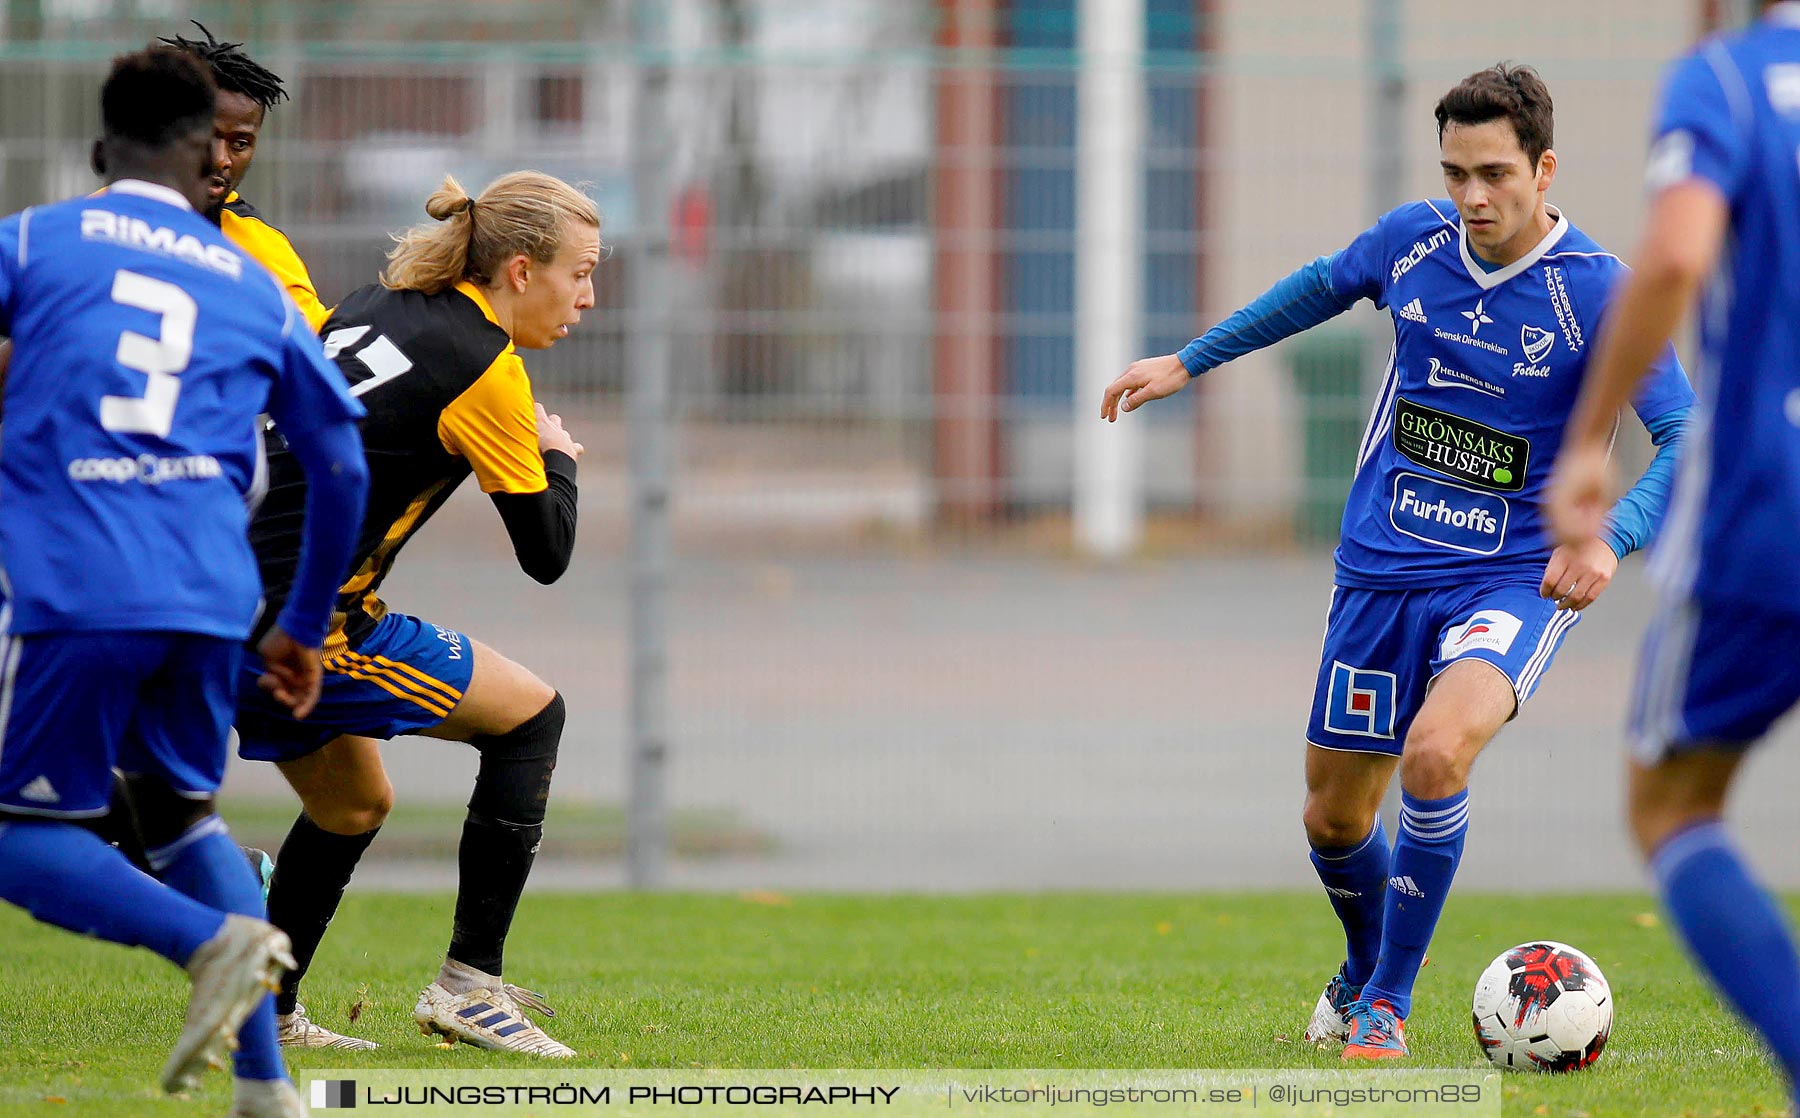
point(542, 525)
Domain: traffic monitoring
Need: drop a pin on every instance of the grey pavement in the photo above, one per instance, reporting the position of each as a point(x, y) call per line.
point(964, 722)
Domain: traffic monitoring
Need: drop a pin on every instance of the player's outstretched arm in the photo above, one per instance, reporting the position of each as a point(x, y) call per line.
point(1300, 301)
point(1680, 246)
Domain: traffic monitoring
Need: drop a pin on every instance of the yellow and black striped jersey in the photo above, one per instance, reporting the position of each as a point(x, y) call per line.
point(447, 396)
point(270, 247)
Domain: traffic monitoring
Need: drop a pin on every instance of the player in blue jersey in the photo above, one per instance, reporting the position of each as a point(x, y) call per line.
point(1717, 668)
point(145, 347)
point(1448, 606)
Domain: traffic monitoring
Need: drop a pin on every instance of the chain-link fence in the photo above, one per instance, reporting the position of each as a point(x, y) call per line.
point(871, 214)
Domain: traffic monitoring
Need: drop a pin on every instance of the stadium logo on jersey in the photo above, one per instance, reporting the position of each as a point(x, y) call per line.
point(1419, 251)
point(1414, 312)
point(1491, 628)
point(1460, 448)
point(1360, 702)
point(1783, 83)
point(1557, 283)
point(1477, 317)
point(135, 232)
point(1451, 516)
point(1443, 376)
point(1535, 342)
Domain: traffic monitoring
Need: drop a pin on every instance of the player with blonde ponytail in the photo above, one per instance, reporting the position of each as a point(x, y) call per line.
point(432, 352)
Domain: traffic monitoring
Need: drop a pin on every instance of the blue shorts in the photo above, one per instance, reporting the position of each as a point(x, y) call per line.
point(407, 674)
point(75, 705)
point(1712, 676)
point(1384, 647)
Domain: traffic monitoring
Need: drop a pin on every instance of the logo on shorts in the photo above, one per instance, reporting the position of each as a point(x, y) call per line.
point(1491, 628)
point(452, 638)
point(1360, 702)
point(40, 791)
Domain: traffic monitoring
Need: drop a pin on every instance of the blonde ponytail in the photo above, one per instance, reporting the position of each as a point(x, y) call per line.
point(522, 212)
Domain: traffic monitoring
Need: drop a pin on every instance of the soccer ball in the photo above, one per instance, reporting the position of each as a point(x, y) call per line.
point(1543, 1006)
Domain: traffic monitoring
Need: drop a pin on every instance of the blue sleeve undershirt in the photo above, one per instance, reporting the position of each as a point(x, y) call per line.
point(1633, 522)
point(337, 485)
point(1299, 302)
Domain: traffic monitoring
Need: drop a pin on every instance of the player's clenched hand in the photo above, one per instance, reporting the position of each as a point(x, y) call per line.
point(291, 672)
point(551, 435)
point(1575, 502)
point(1578, 572)
point(1143, 381)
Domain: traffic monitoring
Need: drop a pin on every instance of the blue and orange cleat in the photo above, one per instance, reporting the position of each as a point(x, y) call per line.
point(1376, 1031)
point(1327, 1024)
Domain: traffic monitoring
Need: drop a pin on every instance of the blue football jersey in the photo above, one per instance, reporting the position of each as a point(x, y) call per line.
point(1731, 116)
point(1484, 371)
point(144, 347)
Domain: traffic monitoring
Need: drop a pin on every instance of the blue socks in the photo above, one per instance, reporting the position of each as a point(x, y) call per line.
point(1355, 878)
point(206, 864)
point(1425, 860)
point(65, 875)
point(1735, 932)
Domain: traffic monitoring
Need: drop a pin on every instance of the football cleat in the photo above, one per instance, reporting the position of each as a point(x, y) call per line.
point(1376, 1032)
point(262, 866)
point(232, 972)
point(1327, 1024)
point(273, 1098)
point(488, 1019)
point(297, 1030)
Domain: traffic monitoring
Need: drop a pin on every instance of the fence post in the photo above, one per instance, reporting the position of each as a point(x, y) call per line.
point(1109, 263)
point(648, 399)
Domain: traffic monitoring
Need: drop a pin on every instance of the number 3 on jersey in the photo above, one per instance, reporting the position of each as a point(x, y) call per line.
point(381, 357)
point(160, 359)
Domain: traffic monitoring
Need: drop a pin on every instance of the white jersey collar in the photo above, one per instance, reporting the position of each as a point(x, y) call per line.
point(154, 190)
point(1487, 280)
point(1787, 12)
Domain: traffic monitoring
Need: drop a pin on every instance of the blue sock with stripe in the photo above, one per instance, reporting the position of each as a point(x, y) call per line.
point(1355, 878)
point(65, 875)
point(1425, 861)
point(1736, 933)
point(206, 864)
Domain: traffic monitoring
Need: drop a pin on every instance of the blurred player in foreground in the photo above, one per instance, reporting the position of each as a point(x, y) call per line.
point(1718, 666)
point(1448, 606)
point(432, 352)
point(145, 348)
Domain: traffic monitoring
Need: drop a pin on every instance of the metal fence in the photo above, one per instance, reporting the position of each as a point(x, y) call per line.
point(872, 207)
point(870, 214)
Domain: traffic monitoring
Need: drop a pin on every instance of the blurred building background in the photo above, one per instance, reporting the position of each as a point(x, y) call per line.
point(888, 665)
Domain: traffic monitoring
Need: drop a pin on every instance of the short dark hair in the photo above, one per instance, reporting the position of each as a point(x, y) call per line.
point(1504, 91)
point(156, 95)
point(232, 69)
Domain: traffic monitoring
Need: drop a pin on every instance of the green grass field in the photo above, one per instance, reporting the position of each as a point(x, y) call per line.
point(762, 981)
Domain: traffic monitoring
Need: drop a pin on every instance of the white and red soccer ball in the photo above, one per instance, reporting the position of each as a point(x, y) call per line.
point(1543, 1006)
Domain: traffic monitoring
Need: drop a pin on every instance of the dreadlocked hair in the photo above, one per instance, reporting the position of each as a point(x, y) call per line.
point(232, 69)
